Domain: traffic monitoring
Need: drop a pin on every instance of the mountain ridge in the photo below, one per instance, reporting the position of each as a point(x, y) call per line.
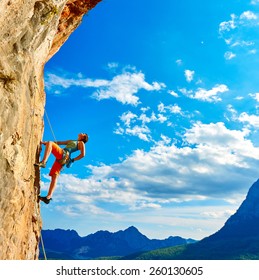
point(237, 239)
point(104, 243)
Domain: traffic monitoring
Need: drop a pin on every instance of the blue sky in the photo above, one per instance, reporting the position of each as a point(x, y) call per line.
point(169, 96)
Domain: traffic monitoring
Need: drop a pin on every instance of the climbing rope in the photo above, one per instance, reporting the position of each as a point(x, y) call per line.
point(43, 248)
point(52, 131)
point(31, 176)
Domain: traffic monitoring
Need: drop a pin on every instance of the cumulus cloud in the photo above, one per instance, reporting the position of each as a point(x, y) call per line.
point(173, 93)
point(138, 124)
point(228, 25)
point(248, 15)
point(232, 32)
point(202, 94)
point(229, 55)
point(122, 87)
point(189, 74)
point(255, 96)
point(127, 118)
point(174, 109)
point(251, 120)
point(236, 21)
point(215, 162)
point(129, 127)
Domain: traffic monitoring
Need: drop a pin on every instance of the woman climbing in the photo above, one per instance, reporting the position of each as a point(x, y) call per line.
point(63, 157)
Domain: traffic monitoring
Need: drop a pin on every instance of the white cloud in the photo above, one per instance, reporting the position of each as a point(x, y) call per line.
point(145, 119)
point(234, 32)
point(255, 96)
point(220, 214)
point(174, 109)
point(229, 55)
point(136, 125)
point(140, 124)
point(207, 95)
point(228, 25)
point(113, 65)
point(179, 62)
point(129, 127)
point(214, 134)
point(248, 15)
point(251, 120)
point(242, 43)
point(214, 163)
point(254, 51)
point(142, 132)
point(233, 113)
point(173, 93)
point(127, 118)
point(237, 21)
point(122, 87)
point(189, 75)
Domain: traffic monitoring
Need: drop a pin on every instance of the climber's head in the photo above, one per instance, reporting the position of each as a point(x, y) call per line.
point(83, 137)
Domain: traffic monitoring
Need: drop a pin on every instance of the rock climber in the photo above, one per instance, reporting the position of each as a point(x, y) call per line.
point(63, 157)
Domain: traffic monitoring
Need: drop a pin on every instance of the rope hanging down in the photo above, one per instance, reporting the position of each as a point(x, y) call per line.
point(43, 248)
point(41, 239)
point(50, 126)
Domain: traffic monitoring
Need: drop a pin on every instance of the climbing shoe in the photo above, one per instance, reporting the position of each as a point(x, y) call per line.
point(40, 164)
point(45, 199)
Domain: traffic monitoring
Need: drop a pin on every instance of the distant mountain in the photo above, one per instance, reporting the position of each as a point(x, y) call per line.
point(67, 244)
point(237, 239)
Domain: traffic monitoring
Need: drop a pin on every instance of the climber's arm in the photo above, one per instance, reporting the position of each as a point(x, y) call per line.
point(81, 148)
point(62, 142)
point(57, 142)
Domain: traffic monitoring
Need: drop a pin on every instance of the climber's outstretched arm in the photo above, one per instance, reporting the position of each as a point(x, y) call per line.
point(57, 142)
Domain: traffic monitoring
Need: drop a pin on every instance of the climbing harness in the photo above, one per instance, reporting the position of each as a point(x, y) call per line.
point(65, 158)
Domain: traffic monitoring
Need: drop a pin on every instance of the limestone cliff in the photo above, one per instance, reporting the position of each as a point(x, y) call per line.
point(31, 32)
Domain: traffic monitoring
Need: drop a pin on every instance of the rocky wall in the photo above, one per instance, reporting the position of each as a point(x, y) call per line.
point(31, 33)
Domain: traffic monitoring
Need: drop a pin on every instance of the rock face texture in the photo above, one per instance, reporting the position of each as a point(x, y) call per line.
point(31, 33)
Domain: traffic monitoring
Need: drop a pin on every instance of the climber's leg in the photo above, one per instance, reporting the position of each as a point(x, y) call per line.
point(53, 183)
point(53, 148)
point(55, 169)
point(47, 152)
